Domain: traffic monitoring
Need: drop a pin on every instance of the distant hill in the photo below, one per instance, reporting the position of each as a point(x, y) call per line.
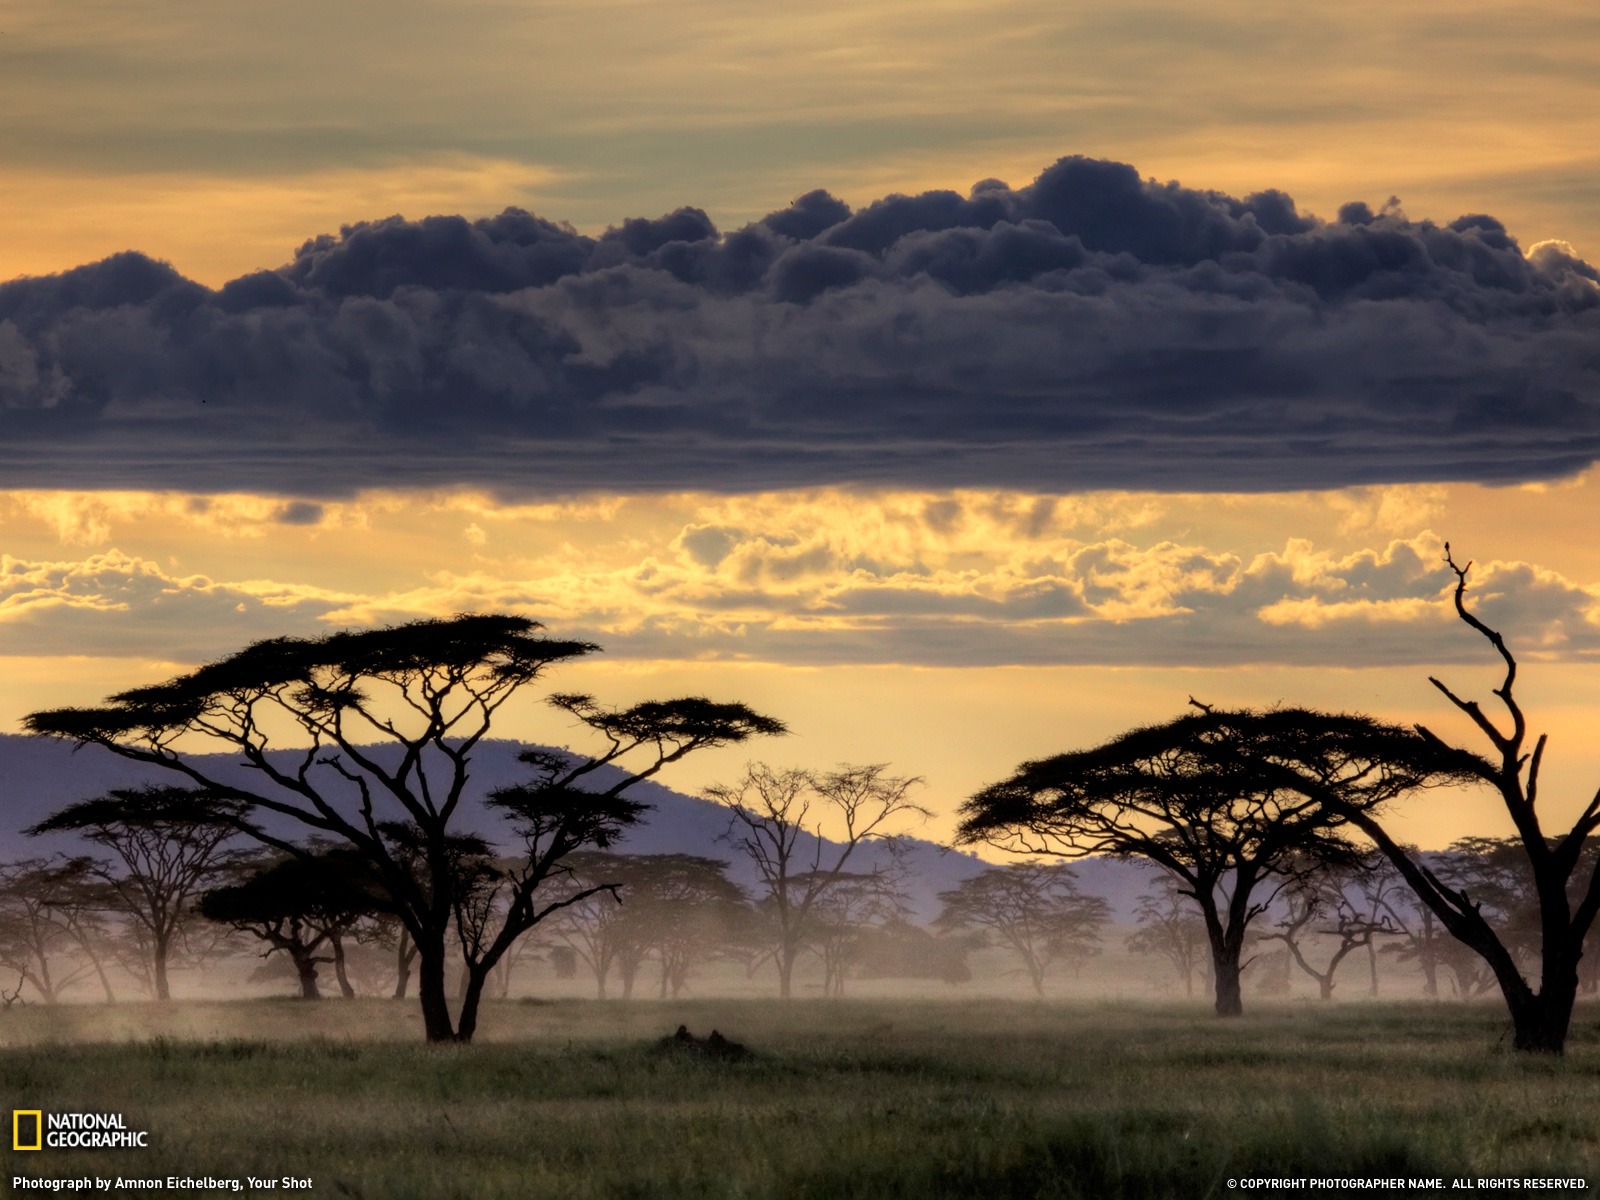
point(39, 776)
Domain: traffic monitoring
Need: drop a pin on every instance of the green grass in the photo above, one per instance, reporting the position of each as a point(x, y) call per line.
point(842, 1099)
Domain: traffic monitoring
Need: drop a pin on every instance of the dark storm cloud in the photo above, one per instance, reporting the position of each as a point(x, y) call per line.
point(1089, 330)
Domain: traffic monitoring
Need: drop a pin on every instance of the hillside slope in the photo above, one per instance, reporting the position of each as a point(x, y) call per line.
point(39, 776)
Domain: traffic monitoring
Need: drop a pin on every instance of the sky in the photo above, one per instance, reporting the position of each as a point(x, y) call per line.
point(960, 383)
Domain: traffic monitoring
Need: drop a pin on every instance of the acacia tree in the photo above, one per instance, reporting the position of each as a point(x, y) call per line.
point(1168, 926)
point(593, 924)
point(679, 908)
point(297, 906)
point(1421, 939)
point(1193, 797)
point(387, 722)
point(676, 907)
point(1319, 896)
point(1035, 910)
point(1380, 896)
point(852, 904)
point(51, 924)
point(778, 823)
point(171, 843)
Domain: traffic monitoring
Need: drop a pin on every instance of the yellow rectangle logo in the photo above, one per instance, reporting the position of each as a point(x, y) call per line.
point(21, 1119)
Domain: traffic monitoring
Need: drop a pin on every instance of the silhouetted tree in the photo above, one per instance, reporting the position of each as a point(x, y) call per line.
point(852, 904)
point(1169, 926)
point(1380, 894)
point(1200, 797)
point(1422, 940)
point(170, 842)
point(897, 949)
point(683, 908)
point(405, 953)
point(51, 924)
point(1565, 882)
point(1035, 910)
point(592, 924)
point(674, 907)
point(779, 821)
point(298, 906)
point(1319, 907)
point(428, 693)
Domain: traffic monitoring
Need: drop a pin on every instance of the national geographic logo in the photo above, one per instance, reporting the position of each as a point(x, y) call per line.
point(27, 1129)
point(35, 1129)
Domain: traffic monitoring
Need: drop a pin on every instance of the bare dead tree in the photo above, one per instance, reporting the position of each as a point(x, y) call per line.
point(1319, 896)
point(1567, 901)
point(779, 821)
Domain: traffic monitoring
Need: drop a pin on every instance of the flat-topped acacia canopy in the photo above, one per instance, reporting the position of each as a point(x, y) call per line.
point(493, 653)
point(1235, 772)
point(1224, 800)
point(427, 692)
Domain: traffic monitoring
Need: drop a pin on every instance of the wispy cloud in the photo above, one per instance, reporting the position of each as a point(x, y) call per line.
point(114, 604)
point(958, 579)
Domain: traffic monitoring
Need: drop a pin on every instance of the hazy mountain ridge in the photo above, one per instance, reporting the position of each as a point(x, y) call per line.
point(38, 777)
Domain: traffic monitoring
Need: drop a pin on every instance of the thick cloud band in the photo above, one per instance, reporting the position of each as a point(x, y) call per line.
point(1089, 330)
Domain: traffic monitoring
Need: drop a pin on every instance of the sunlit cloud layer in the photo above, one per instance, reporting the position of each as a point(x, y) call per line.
point(927, 579)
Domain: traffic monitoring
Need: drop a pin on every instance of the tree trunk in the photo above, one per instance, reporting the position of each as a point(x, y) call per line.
point(42, 982)
point(1540, 1022)
point(1035, 972)
point(105, 983)
point(345, 988)
point(405, 951)
point(467, 1022)
point(306, 967)
point(1226, 971)
point(1428, 956)
point(433, 992)
point(1227, 948)
point(159, 970)
point(785, 963)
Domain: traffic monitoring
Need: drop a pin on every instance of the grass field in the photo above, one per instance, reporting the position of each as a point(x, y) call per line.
point(571, 1099)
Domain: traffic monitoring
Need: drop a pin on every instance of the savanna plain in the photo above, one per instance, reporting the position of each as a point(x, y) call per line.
point(876, 1097)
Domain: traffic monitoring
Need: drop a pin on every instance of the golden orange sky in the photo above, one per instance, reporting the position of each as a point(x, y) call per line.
point(898, 626)
point(952, 631)
point(221, 137)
